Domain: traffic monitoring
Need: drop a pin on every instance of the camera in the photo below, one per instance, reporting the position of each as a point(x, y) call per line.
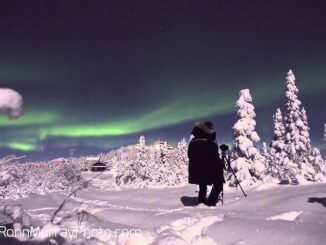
point(224, 148)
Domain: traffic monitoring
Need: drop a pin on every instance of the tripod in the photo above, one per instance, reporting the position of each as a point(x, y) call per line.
point(226, 161)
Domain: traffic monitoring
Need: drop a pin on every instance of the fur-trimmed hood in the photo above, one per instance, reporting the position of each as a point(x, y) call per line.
point(204, 128)
point(202, 131)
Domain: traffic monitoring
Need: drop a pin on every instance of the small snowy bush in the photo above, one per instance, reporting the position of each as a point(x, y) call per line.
point(144, 166)
point(41, 177)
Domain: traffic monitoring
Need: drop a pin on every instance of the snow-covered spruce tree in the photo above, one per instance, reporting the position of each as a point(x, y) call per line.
point(141, 153)
point(182, 153)
point(247, 162)
point(139, 166)
point(155, 160)
point(297, 141)
point(164, 153)
point(310, 159)
point(142, 142)
point(305, 131)
point(264, 150)
point(292, 119)
point(319, 166)
point(181, 159)
point(163, 167)
point(275, 159)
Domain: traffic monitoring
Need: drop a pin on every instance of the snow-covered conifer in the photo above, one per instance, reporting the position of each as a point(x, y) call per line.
point(141, 152)
point(264, 150)
point(293, 120)
point(304, 132)
point(182, 153)
point(315, 166)
point(277, 143)
point(142, 165)
point(182, 161)
point(277, 154)
point(246, 159)
point(310, 164)
point(297, 139)
point(295, 143)
point(142, 141)
point(164, 152)
point(163, 164)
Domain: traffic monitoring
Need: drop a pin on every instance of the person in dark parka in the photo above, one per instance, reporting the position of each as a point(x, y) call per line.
point(205, 165)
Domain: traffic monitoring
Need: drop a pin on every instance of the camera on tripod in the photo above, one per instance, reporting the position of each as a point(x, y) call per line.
point(224, 147)
point(225, 156)
point(226, 159)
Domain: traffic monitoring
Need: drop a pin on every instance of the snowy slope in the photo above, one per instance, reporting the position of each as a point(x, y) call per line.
point(269, 215)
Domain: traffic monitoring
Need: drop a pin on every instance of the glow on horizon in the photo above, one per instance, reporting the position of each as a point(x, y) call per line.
point(21, 146)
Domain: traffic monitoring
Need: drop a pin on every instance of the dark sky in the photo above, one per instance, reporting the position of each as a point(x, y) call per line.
point(98, 74)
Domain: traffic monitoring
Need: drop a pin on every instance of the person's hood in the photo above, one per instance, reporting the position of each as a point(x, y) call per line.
point(204, 128)
point(202, 131)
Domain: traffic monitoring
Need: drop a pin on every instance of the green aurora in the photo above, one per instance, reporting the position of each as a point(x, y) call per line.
point(30, 118)
point(36, 126)
point(21, 146)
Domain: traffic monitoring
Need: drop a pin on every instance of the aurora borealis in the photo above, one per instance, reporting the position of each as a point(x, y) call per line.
point(96, 75)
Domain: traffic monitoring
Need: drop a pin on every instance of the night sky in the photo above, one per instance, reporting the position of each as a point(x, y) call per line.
point(95, 75)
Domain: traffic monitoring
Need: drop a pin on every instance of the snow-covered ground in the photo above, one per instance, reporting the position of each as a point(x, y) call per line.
point(269, 215)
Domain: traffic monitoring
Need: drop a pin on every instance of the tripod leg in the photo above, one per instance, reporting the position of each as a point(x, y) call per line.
point(237, 181)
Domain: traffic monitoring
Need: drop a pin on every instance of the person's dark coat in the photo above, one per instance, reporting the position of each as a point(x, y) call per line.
point(205, 165)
